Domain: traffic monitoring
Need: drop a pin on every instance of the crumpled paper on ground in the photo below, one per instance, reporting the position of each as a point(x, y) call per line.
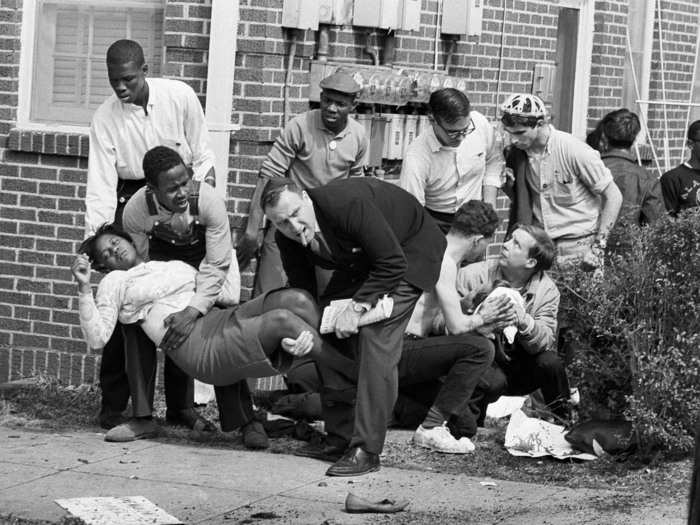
point(531, 437)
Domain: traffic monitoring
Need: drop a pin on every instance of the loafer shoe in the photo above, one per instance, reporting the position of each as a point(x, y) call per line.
point(324, 452)
point(189, 418)
point(355, 505)
point(254, 436)
point(355, 462)
point(132, 430)
point(439, 439)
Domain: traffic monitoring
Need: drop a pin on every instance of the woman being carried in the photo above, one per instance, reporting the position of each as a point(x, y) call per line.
point(226, 345)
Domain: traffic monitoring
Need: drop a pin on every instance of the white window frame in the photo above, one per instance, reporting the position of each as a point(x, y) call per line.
point(584, 60)
point(26, 71)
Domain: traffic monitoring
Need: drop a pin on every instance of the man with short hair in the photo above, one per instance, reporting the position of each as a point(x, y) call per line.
point(176, 218)
point(560, 183)
point(141, 114)
point(378, 240)
point(460, 355)
point(531, 361)
point(641, 191)
point(455, 160)
point(315, 148)
point(681, 185)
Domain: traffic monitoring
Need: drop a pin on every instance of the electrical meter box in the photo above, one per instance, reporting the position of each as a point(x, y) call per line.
point(387, 14)
point(462, 17)
point(300, 14)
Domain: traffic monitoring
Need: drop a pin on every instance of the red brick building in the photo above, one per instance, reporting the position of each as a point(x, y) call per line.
point(573, 52)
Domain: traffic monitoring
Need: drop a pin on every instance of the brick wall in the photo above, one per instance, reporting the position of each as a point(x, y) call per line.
point(42, 175)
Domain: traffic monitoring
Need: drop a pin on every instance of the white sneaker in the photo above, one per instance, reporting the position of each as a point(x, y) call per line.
point(440, 439)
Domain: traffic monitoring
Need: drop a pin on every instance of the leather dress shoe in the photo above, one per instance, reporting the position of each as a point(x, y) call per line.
point(355, 462)
point(322, 451)
point(254, 435)
point(189, 418)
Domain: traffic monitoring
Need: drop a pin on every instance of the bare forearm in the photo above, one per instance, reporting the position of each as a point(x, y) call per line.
point(612, 201)
point(489, 195)
point(255, 214)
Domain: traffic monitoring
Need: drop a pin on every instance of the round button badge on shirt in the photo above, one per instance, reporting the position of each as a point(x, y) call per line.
point(332, 145)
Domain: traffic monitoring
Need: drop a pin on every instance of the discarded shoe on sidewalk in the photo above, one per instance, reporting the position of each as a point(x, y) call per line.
point(356, 505)
point(132, 430)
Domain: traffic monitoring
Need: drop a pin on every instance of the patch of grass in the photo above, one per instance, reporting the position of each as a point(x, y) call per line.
point(45, 404)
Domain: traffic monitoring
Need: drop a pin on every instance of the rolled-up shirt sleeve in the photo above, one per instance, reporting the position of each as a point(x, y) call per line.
point(219, 249)
point(102, 180)
point(495, 162)
point(414, 170)
point(283, 151)
point(197, 135)
point(593, 173)
point(98, 317)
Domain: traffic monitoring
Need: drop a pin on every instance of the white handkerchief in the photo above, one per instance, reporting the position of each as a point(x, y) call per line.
point(382, 310)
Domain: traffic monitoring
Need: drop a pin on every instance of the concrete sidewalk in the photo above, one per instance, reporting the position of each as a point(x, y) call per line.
point(205, 485)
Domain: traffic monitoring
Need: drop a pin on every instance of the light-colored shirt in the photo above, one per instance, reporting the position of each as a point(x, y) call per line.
point(541, 302)
point(443, 178)
point(565, 182)
point(121, 134)
point(138, 223)
point(146, 294)
point(311, 155)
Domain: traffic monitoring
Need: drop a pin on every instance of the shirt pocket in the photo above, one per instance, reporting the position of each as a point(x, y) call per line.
point(472, 164)
point(123, 169)
point(566, 190)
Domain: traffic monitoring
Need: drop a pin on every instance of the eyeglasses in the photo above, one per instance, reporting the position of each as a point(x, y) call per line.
point(457, 133)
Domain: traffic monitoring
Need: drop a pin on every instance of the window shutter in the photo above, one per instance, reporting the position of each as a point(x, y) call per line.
point(70, 75)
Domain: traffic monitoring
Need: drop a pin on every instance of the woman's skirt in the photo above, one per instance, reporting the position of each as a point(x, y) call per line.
point(224, 348)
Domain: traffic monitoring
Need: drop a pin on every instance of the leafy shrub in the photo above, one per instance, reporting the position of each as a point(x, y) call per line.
point(636, 332)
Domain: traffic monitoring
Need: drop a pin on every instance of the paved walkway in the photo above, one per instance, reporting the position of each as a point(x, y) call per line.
point(203, 485)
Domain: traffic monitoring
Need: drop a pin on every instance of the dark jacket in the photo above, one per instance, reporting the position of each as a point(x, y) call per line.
point(642, 202)
point(378, 235)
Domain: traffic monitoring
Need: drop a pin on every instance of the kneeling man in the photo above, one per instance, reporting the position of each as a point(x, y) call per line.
point(462, 355)
point(531, 361)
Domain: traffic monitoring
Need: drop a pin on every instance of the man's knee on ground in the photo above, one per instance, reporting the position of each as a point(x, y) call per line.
point(550, 363)
point(493, 383)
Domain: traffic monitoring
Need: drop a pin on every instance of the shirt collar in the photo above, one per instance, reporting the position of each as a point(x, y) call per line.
point(320, 125)
point(619, 153)
point(152, 99)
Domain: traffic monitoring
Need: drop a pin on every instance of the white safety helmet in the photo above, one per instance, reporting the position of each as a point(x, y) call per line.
point(525, 105)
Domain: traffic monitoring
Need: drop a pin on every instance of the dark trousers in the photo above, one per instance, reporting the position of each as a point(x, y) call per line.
point(358, 414)
point(443, 220)
point(460, 359)
point(134, 373)
point(128, 368)
point(522, 375)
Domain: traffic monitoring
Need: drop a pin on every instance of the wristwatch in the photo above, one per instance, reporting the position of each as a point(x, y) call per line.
point(360, 308)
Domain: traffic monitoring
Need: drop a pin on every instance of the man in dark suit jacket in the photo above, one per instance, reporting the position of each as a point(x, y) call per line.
point(378, 240)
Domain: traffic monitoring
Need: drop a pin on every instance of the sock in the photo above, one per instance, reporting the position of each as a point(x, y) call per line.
point(434, 418)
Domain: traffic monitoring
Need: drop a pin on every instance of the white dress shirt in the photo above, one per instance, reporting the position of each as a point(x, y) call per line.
point(121, 134)
point(443, 178)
